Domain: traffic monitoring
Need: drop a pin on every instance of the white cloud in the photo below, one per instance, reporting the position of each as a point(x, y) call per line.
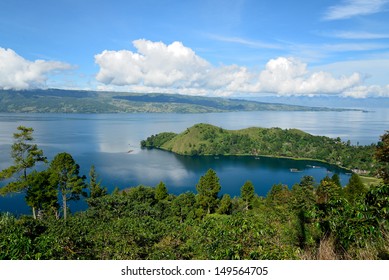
point(155, 64)
point(165, 67)
point(174, 68)
point(359, 35)
point(351, 8)
point(19, 73)
point(245, 42)
point(289, 76)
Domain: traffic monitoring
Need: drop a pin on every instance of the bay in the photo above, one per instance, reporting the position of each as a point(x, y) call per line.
point(105, 140)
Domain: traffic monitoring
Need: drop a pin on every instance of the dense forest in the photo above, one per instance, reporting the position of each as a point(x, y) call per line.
point(83, 101)
point(305, 221)
point(206, 139)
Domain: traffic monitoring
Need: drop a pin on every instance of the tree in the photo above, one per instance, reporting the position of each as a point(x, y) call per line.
point(25, 155)
point(247, 194)
point(41, 195)
point(382, 156)
point(208, 189)
point(95, 188)
point(355, 189)
point(304, 200)
point(225, 206)
point(279, 195)
point(330, 203)
point(183, 205)
point(160, 191)
point(336, 179)
point(64, 174)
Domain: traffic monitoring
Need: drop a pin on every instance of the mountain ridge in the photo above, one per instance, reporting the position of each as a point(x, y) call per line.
point(86, 101)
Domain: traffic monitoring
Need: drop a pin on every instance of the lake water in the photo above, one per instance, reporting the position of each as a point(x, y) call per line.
point(105, 139)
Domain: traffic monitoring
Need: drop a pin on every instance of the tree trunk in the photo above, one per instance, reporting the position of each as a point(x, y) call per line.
point(64, 206)
point(33, 213)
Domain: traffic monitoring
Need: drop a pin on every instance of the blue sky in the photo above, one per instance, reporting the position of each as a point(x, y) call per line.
point(211, 47)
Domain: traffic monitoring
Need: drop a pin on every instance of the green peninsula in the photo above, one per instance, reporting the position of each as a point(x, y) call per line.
point(205, 139)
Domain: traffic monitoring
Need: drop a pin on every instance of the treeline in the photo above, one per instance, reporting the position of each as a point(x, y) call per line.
point(61, 177)
point(307, 221)
point(205, 139)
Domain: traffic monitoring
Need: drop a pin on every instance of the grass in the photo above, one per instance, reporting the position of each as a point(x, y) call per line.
point(370, 181)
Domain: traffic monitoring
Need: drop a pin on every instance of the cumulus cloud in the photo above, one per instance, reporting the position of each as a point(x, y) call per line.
point(287, 76)
point(158, 67)
point(19, 73)
point(155, 64)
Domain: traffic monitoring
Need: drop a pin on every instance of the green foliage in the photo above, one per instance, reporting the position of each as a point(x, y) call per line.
point(382, 156)
point(95, 188)
point(225, 206)
point(156, 141)
point(304, 204)
point(336, 179)
point(278, 196)
point(161, 191)
point(355, 189)
point(208, 189)
point(377, 202)
point(183, 206)
point(42, 195)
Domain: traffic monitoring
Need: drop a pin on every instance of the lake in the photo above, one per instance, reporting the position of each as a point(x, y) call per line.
point(105, 140)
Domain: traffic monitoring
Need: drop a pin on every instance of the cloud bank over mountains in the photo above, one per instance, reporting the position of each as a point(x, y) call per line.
point(175, 68)
point(19, 73)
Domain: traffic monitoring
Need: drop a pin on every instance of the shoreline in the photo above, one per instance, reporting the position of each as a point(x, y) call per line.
point(266, 156)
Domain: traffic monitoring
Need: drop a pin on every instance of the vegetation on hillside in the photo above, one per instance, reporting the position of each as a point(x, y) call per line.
point(78, 101)
point(205, 139)
point(306, 221)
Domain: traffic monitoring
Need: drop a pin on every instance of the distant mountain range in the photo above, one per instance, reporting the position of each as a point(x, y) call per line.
point(327, 101)
point(82, 101)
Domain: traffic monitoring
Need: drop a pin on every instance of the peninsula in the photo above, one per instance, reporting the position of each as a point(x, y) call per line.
point(205, 139)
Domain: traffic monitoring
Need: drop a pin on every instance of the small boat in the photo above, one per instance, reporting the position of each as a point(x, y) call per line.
point(295, 170)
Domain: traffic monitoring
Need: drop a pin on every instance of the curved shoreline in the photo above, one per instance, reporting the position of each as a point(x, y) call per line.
point(263, 156)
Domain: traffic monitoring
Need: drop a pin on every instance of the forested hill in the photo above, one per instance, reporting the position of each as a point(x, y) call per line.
point(78, 101)
point(205, 139)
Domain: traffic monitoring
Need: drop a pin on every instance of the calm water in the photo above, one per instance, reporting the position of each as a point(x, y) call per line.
point(104, 140)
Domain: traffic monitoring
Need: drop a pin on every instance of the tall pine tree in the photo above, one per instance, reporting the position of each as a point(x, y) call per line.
point(247, 194)
point(208, 189)
point(64, 174)
point(25, 155)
